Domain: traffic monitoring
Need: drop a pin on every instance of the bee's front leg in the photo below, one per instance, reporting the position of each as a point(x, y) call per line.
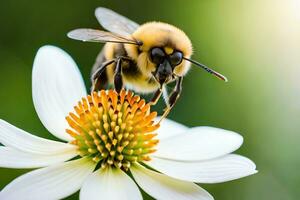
point(156, 97)
point(173, 97)
point(95, 76)
point(118, 81)
point(176, 92)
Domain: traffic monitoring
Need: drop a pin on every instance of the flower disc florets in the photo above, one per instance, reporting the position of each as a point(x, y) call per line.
point(113, 129)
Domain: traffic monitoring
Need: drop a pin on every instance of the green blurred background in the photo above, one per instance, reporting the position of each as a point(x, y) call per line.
point(256, 44)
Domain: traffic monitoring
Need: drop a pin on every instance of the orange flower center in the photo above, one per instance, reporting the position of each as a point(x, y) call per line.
point(113, 129)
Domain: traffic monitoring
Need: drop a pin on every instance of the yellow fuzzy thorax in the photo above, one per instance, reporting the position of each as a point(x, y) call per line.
point(162, 34)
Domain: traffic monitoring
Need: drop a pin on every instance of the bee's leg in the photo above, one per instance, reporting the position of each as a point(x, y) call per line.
point(156, 97)
point(176, 92)
point(97, 74)
point(118, 81)
point(165, 95)
point(173, 97)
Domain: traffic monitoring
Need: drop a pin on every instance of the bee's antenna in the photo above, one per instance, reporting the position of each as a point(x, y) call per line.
point(217, 74)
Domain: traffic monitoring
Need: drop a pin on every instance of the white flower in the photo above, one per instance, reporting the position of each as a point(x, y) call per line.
point(105, 148)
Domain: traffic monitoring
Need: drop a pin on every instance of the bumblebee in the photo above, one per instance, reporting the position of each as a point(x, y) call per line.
point(143, 58)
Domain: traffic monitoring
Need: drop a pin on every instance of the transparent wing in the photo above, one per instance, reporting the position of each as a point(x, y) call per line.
point(114, 22)
point(92, 35)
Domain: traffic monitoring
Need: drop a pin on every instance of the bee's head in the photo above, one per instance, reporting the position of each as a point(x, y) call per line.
point(166, 60)
point(162, 51)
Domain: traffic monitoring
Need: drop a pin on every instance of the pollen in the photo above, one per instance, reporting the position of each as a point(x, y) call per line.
point(168, 50)
point(113, 129)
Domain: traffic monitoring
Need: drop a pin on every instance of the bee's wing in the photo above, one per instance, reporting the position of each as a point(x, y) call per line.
point(92, 35)
point(114, 22)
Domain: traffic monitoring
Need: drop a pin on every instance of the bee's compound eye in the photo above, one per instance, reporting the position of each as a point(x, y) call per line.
point(157, 55)
point(176, 58)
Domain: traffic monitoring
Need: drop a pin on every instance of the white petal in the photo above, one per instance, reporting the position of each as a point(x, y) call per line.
point(57, 86)
point(169, 128)
point(199, 143)
point(112, 184)
point(164, 187)
point(226, 168)
point(54, 182)
point(14, 137)
point(12, 158)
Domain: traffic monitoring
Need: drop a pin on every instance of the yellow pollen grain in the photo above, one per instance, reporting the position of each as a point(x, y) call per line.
point(168, 50)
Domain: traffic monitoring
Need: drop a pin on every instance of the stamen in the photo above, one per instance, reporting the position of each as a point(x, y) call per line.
point(113, 129)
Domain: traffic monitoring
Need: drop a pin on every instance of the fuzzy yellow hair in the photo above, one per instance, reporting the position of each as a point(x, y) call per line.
point(159, 34)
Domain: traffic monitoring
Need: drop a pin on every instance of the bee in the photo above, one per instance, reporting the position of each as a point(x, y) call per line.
point(143, 58)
